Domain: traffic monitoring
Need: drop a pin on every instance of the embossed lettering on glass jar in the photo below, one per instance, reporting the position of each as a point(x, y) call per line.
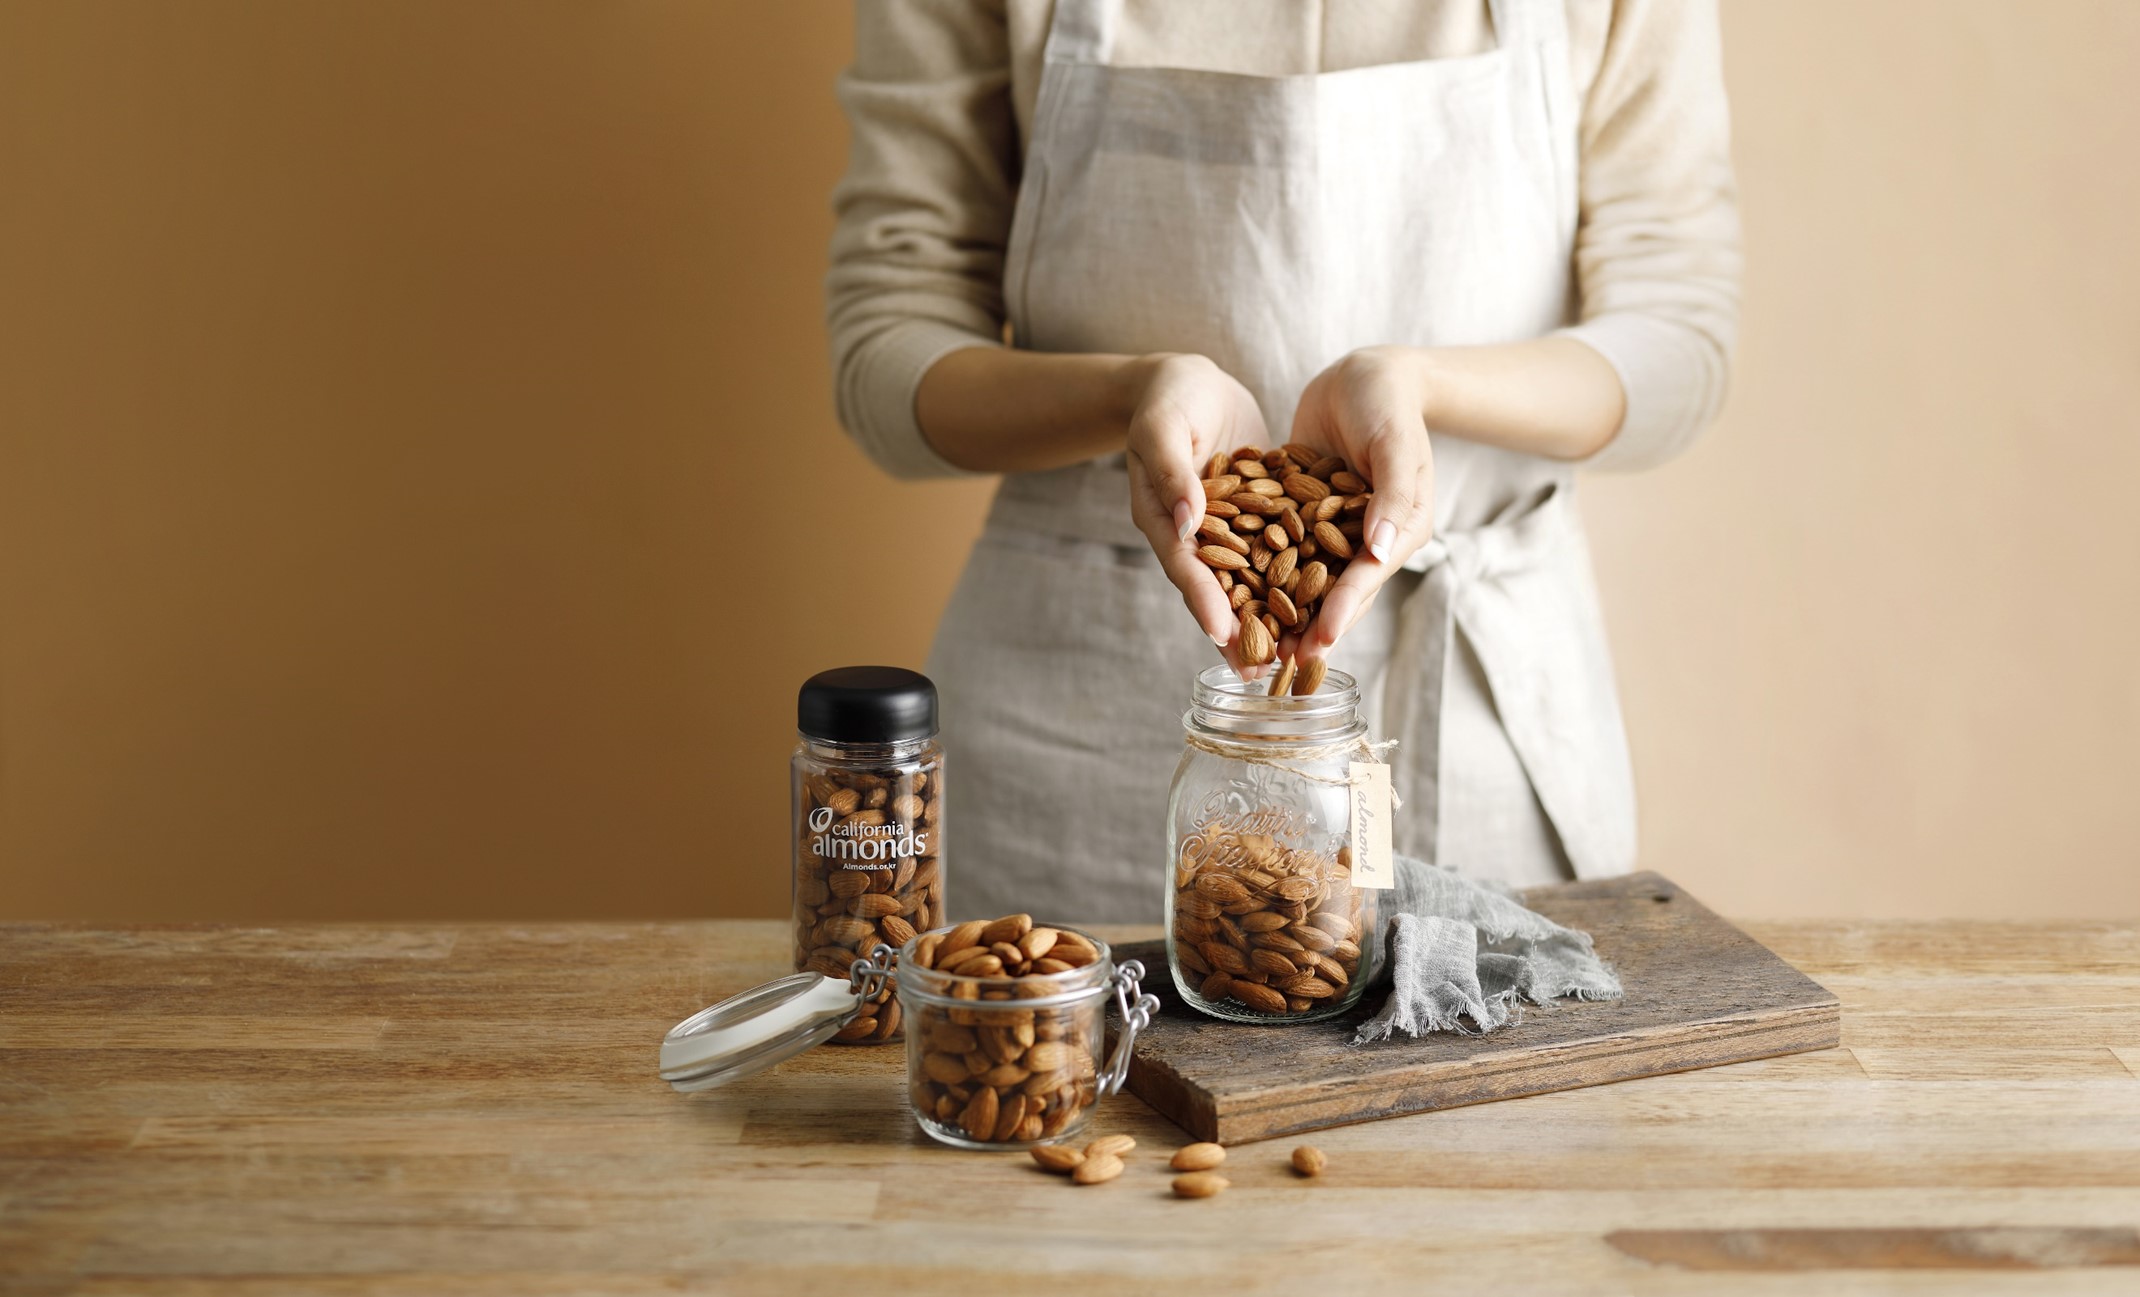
point(868, 798)
point(1263, 922)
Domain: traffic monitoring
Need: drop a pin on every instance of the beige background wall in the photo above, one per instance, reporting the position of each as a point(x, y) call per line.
point(419, 493)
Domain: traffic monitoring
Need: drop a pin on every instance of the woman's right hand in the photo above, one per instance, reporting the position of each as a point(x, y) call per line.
point(1184, 410)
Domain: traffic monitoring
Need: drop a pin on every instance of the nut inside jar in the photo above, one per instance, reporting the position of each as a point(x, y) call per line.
point(868, 869)
point(1267, 927)
point(1005, 1026)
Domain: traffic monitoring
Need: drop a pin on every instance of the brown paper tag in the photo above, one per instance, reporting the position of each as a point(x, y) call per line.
point(1372, 863)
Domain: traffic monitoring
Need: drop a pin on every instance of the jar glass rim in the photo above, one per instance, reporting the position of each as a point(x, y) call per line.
point(929, 986)
point(1225, 706)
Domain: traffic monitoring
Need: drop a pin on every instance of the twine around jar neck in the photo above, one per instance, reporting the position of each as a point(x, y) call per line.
point(1293, 757)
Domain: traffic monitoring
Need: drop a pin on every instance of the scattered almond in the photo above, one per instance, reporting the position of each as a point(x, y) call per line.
point(1200, 1184)
point(1197, 1157)
point(1097, 1170)
point(1309, 1160)
point(1058, 1158)
point(1110, 1146)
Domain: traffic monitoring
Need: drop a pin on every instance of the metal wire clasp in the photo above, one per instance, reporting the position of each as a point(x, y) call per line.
point(868, 976)
point(1137, 1009)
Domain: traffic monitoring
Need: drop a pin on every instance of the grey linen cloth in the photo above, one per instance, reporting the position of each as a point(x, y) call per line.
point(1460, 949)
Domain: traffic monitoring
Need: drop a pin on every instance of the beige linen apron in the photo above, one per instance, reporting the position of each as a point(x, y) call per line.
point(1274, 224)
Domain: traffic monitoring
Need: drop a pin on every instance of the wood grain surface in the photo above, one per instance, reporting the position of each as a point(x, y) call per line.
point(474, 1110)
point(1700, 993)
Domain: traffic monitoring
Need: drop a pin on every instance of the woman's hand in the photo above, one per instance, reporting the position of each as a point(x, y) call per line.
point(1370, 408)
point(1185, 409)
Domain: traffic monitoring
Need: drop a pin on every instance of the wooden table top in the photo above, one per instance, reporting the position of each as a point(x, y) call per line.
point(474, 1109)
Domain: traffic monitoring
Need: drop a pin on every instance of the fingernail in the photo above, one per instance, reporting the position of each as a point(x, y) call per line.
point(1185, 519)
point(1384, 541)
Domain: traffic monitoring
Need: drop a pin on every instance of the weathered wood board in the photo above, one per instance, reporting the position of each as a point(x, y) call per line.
point(1699, 993)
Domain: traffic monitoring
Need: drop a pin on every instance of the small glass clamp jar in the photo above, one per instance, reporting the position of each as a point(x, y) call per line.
point(992, 1062)
point(997, 1061)
point(867, 790)
point(1263, 921)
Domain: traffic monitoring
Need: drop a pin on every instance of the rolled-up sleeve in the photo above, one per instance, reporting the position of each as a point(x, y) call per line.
point(923, 213)
point(1657, 251)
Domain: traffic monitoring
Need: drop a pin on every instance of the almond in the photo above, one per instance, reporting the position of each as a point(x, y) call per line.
point(1009, 1118)
point(1305, 488)
point(1221, 533)
point(1309, 1160)
point(1060, 1159)
point(1048, 1056)
point(1282, 678)
point(1072, 949)
point(1281, 569)
point(978, 1118)
point(1347, 483)
point(1009, 928)
point(1332, 540)
point(1223, 888)
point(1215, 987)
point(1283, 608)
point(1218, 488)
point(1038, 942)
point(1200, 1184)
point(1096, 1170)
point(875, 905)
point(1308, 987)
point(1310, 678)
point(1110, 1146)
point(1224, 559)
point(1197, 1157)
point(1250, 469)
point(1259, 997)
point(1257, 645)
point(959, 938)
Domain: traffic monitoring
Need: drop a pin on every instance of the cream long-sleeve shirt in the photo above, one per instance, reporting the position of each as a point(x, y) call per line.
point(940, 100)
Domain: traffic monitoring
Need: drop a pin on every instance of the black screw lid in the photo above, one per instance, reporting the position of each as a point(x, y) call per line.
point(866, 705)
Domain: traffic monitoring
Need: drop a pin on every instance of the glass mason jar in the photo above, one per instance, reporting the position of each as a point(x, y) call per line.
point(867, 790)
point(1263, 922)
point(1002, 1062)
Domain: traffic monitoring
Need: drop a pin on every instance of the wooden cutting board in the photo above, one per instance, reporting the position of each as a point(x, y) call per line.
point(1699, 993)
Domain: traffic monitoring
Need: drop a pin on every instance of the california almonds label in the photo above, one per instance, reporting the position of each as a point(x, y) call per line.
point(1372, 863)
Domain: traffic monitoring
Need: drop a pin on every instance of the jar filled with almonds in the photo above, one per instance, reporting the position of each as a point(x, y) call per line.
point(1006, 1029)
point(868, 798)
point(1264, 921)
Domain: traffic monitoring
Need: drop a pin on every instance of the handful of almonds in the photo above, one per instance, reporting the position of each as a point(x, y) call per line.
point(1000, 1072)
point(1279, 527)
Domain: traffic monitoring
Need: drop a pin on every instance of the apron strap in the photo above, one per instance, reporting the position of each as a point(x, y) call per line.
point(1522, 23)
point(1523, 537)
point(1081, 31)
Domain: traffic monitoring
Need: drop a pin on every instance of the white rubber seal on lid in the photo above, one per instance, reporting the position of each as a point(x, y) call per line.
point(752, 1031)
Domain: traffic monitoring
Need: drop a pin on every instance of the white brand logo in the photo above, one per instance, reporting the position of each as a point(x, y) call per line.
point(821, 819)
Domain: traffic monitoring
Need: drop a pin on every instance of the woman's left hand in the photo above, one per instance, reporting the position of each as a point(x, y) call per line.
point(1369, 409)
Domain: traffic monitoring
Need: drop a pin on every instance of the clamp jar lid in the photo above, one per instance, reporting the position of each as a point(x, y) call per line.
point(768, 1024)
